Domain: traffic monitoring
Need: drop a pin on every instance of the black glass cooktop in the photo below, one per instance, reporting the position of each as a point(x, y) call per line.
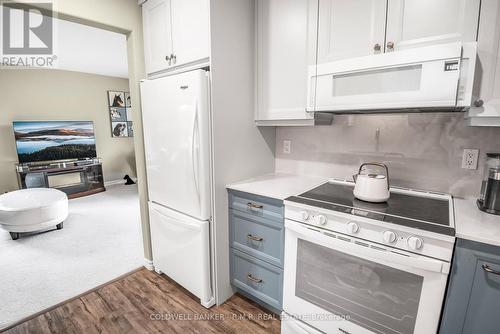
point(431, 214)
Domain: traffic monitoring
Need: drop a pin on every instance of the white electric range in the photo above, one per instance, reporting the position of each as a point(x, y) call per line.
point(353, 267)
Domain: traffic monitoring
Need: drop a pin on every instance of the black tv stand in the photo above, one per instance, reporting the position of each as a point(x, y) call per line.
point(76, 178)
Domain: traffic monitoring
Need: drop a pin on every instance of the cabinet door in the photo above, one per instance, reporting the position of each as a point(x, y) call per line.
point(157, 34)
point(286, 51)
point(488, 45)
point(350, 28)
point(473, 296)
point(190, 30)
point(484, 303)
point(414, 23)
point(487, 78)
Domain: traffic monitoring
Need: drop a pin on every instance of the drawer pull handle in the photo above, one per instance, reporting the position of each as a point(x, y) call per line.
point(254, 238)
point(251, 205)
point(489, 270)
point(253, 279)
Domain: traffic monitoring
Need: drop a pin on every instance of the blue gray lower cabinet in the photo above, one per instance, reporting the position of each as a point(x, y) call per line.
point(257, 238)
point(473, 298)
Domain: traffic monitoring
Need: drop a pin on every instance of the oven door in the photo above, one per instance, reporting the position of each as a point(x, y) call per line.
point(343, 285)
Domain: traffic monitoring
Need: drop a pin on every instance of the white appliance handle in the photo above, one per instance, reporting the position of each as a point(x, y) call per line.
point(426, 264)
point(173, 221)
point(296, 327)
point(195, 150)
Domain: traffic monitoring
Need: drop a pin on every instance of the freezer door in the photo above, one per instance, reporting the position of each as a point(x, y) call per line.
point(176, 133)
point(181, 250)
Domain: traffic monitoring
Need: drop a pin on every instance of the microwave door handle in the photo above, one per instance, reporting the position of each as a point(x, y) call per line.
point(365, 252)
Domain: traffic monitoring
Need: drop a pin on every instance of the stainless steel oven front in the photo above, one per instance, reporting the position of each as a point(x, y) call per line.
point(339, 284)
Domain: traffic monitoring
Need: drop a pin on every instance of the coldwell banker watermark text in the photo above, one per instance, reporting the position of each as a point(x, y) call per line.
point(27, 34)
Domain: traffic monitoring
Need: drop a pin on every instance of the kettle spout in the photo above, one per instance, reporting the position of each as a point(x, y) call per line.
point(355, 177)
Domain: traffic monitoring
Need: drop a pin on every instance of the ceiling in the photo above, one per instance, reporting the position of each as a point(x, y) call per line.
point(87, 49)
point(80, 47)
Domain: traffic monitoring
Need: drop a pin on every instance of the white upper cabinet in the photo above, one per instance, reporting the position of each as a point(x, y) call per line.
point(157, 34)
point(414, 23)
point(356, 28)
point(350, 28)
point(286, 51)
point(176, 32)
point(486, 111)
point(299, 41)
point(190, 30)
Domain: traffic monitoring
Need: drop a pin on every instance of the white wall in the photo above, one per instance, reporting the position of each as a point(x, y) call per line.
point(61, 95)
point(123, 16)
point(241, 150)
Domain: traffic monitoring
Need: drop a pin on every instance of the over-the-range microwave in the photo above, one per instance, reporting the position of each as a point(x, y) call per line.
point(439, 77)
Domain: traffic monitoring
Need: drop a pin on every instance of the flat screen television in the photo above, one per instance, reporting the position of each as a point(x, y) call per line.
point(45, 141)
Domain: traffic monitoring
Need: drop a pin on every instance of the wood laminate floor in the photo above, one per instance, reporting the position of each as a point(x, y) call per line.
point(145, 302)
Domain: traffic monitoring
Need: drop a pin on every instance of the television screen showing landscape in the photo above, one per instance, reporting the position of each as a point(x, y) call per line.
point(48, 141)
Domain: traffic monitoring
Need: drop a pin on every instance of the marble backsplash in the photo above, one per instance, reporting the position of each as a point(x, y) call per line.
point(422, 150)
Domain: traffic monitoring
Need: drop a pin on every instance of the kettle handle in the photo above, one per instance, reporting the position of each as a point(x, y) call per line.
point(379, 164)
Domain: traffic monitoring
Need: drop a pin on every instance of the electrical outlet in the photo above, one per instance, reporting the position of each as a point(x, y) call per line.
point(287, 146)
point(469, 158)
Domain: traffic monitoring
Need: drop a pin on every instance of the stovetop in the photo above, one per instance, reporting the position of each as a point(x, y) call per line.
point(406, 208)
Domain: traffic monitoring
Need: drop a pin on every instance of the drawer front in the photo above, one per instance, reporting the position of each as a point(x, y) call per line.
point(259, 237)
point(258, 206)
point(257, 278)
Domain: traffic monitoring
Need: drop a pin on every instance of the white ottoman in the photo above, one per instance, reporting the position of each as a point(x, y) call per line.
point(33, 209)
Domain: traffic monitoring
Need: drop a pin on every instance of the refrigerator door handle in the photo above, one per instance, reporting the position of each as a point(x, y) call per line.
point(195, 151)
point(172, 221)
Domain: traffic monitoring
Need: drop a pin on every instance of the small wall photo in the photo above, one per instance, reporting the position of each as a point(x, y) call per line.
point(128, 101)
point(119, 129)
point(116, 99)
point(130, 129)
point(118, 114)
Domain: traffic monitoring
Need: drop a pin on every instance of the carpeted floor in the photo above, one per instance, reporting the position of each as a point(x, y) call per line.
point(101, 240)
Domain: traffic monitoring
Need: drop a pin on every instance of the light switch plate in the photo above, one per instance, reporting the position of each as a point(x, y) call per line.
point(470, 158)
point(287, 146)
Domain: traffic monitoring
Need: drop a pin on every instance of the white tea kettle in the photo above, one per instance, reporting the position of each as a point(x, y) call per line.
point(372, 187)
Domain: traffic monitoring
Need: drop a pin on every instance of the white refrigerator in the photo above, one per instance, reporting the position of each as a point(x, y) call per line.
point(176, 117)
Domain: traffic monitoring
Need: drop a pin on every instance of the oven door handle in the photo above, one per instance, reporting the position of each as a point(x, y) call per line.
point(364, 252)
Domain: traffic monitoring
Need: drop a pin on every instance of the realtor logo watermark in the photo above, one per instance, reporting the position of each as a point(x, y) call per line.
point(27, 34)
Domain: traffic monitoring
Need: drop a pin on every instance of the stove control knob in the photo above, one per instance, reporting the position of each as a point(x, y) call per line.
point(304, 215)
point(389, 237)
point(352, 227)
point(415, 243)
point(320, 220)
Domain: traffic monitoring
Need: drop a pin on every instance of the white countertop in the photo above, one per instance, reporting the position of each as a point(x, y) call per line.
point(278, 186)
point(473, 224)
point(470, 222)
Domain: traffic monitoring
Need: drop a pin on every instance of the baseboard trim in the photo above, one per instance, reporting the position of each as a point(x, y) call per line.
point(117, 182)
point(113, 183)
point(148, 264)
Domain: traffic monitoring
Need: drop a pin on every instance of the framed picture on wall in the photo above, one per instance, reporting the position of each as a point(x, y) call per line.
point(130, 129)
point(129, 115)
point(120, 114)
point(119, 129)
point(116, 99)
point(128, 101)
